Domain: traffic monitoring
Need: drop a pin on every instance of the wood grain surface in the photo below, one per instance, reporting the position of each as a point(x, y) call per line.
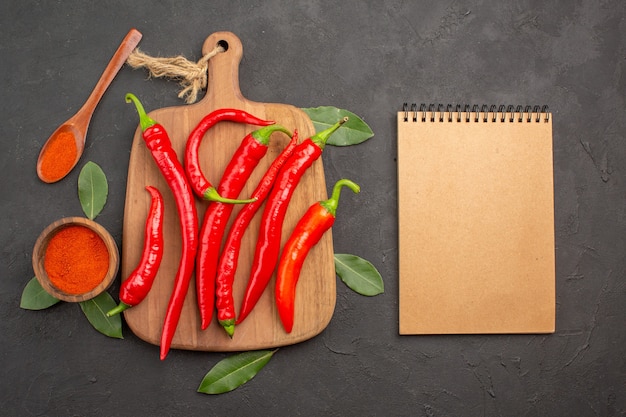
point(316, 293)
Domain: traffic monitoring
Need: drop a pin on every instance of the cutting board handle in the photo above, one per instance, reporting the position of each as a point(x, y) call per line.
point(223, 70)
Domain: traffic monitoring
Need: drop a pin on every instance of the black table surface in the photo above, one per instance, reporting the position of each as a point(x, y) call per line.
point(369, 58)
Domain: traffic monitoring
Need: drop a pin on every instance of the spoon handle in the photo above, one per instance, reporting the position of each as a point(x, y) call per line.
point(129, 43)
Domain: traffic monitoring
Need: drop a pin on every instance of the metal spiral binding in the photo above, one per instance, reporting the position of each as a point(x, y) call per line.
point(474, 113)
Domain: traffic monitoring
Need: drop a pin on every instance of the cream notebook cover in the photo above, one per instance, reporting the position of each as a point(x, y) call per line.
point(476, 220)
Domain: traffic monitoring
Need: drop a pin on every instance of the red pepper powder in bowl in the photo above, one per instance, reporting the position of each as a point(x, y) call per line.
point(76, 260)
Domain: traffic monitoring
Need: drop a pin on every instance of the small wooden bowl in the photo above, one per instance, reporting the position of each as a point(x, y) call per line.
point(41, 245)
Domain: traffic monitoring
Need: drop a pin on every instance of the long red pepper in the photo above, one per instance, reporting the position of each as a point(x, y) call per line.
point(268, 243)
point(136, 287)
point(160, 146)
point(308, 231)
point(227, 265)
point(251, 150)
point(199, 183)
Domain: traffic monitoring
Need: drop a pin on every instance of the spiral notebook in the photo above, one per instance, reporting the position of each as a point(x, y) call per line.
point(476, 220)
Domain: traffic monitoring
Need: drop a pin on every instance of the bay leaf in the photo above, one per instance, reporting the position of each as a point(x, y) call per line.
point(34, 297)
point(234, 371)
point(96, 312)
point(93, 189)
point(359, 274)
point(353, 132)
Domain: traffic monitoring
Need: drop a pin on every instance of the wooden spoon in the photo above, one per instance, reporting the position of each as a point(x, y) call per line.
point(78, 124)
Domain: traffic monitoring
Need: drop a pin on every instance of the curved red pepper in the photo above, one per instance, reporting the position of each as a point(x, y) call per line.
point(227, 265)
point(199, 183)
point(160, 146)
point(136, 287)
point(268, 242)
point(308, 231)
point(252, 148)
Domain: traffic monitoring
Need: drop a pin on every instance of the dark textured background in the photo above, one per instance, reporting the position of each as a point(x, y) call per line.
point(369, 58)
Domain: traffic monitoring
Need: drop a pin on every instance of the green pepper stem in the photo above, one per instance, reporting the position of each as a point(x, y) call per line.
point(229, 327)
point(211, 194)
point(320, 138)
point(263, 134)
point(333, 201)
point(144, 120)
point(118, 309)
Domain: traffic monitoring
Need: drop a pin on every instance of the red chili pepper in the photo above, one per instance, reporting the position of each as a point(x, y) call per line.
point(252, 149)
point(308, 231)
point(160, 145)
point(227, 266)
point(268, 242)
point(199, 183)
point(136, 287)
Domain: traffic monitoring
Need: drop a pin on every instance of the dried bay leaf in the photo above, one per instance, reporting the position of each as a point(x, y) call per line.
point(96, 312)
point(234, 371)
point(353, 132)
point(359, 274)
point(93, 189)
point(34, 297)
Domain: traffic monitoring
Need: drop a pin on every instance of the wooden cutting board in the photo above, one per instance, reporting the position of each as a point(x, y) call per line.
point(316, 292)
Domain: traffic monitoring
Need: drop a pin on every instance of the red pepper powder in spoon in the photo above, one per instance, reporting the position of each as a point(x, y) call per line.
point(76, 260)
point(59, 156)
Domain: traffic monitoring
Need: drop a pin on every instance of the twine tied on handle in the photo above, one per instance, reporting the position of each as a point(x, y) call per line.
point(192, 75)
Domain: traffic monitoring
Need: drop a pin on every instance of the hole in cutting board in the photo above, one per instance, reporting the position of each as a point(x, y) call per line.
point(223, 44)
